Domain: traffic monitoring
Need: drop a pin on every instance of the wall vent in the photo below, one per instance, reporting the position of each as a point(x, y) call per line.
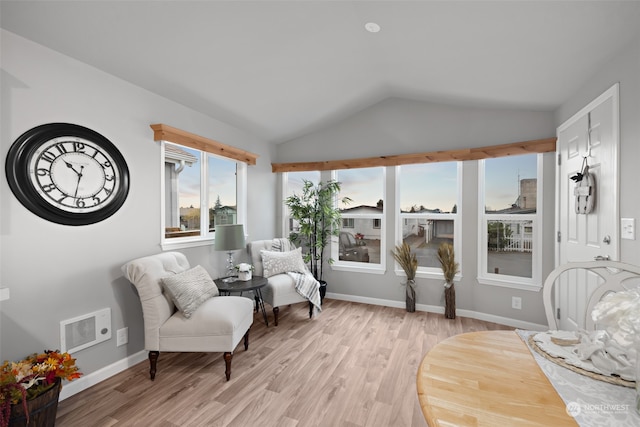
point(86, 330)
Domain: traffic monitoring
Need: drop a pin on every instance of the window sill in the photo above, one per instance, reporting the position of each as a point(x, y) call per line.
point(167, 245)
point(357, 268)
point(428, 275)
point(510, 283)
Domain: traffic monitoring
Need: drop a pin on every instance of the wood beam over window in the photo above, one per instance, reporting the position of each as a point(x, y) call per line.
point(512, 149)
point(163, 132)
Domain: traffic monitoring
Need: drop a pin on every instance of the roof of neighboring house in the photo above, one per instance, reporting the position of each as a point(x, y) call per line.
point(514, 209)
point(364, 208)
point(228, 209)
point(173, 152)
point(424, 210)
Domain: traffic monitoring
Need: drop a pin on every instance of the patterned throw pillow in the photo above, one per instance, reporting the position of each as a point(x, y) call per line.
point(281, 262)
point(190, 289)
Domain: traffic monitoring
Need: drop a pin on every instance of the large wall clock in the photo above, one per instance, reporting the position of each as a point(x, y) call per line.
point(67, 174)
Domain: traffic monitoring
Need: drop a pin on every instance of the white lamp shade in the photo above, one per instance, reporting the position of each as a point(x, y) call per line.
point(229, 237)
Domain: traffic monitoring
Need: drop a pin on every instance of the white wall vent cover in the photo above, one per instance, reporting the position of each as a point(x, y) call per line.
point(86, 330)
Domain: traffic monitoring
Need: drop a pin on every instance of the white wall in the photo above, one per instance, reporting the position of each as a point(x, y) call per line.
point(623, 67)
point(56, 272)
point(398, 126)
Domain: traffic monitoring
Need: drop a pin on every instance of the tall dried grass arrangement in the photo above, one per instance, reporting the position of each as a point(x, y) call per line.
point(448, 262)
point(407, 260)
point(449, 269)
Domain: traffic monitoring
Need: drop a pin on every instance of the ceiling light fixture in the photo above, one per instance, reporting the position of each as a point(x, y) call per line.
point(372, 27)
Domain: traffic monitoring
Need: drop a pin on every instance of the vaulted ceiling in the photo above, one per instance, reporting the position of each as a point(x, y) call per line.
point(280, 69)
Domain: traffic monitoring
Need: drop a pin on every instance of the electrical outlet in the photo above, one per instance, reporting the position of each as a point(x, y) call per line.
point(122, 337)
point(516, 302)
point(628, 228)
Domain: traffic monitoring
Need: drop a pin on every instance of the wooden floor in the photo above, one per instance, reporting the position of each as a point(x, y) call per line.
point(354, 365)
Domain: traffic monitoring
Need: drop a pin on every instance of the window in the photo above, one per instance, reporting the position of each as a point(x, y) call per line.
point(348, 223)
point(510, 231)
point(428, 197)
point(293, 183)
point(194, 179)
point(361, 236)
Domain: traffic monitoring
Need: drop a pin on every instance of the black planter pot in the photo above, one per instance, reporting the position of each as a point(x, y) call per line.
point(323, 290)
point(42, 409)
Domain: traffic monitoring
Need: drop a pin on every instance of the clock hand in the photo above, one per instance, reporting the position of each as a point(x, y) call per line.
point(75, 195)
point(70, 166)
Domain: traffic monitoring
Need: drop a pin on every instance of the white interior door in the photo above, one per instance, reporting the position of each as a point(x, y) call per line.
point(592, 133)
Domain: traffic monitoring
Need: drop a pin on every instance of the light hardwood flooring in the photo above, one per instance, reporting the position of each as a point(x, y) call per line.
point(354, 365)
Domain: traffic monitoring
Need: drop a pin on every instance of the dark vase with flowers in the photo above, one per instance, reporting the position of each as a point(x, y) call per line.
point(411, 296)
point(41, 410)
point(30, 388)
point(408, 260)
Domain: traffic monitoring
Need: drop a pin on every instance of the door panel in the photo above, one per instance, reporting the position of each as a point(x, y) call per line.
point(583, 237)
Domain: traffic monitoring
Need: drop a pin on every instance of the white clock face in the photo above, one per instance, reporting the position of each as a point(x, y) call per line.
point(74, 174)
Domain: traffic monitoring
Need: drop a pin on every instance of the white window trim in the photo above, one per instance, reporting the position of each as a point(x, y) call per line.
point(207, 238)
point(360, 267)
point(431, 272)
point(534, 283)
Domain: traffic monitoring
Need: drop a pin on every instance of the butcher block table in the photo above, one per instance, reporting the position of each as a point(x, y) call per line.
point(487, 378)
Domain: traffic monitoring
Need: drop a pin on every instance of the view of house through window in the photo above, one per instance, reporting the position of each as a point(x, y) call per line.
point(362, 227)
point(294, 182)
point(185, 173)
point(510, 215)
point(428, 195)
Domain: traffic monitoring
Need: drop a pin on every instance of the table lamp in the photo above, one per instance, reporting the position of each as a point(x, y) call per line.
point(229, 238)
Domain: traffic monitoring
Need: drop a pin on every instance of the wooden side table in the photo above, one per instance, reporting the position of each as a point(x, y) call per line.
point(255, 285)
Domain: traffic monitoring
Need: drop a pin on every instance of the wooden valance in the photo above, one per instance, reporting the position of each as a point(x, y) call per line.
point(163, 132)
point(512, 149)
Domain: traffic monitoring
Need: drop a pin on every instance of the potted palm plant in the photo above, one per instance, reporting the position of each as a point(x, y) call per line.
point(409, 263)
point(450, 268)
point(318, 219)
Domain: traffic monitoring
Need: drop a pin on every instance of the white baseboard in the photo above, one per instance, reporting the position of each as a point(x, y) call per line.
point(86, 381)
point(514, 323)
point(100, 375)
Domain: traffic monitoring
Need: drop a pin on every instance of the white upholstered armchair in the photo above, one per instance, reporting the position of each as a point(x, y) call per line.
point(179, 319)
point(281, 288)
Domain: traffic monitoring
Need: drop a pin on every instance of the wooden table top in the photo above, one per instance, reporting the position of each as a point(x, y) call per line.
point(487, 378)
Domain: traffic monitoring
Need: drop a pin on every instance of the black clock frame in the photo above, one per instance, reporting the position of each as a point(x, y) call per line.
point(17, 171)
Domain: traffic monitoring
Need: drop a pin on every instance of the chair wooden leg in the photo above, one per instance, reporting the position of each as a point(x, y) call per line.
point(246, 340)
point(276, 310)
point(310, 310)
point(227, 361)
point(153, 363)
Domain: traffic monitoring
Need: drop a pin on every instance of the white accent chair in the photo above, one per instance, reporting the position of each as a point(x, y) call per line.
point(281, 288)
point(217, 325)
point(597, 278)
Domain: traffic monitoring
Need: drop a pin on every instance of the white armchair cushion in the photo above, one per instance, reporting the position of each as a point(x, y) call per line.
point(190, 288)
point(281, 262)
point(219, 323)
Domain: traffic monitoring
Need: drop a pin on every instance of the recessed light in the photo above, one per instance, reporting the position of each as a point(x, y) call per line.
point(372, 27)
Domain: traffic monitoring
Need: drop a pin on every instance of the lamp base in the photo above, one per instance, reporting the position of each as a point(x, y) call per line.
point(230, 270)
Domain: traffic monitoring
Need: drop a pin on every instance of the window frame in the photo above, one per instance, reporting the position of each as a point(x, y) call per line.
point(402, 218)
point(360, 267)
point(508, 281)
point(205, 237)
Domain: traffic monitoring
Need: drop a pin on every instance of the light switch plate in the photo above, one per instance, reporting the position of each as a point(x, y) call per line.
point(628, 228)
